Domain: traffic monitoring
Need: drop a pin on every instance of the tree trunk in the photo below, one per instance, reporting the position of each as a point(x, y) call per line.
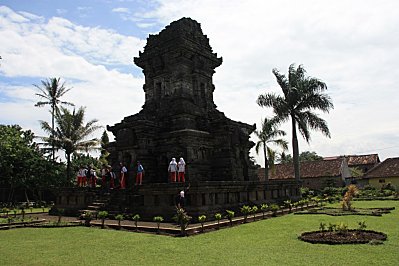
point(295, 150)
point(266, 162)
point(52, 132)
point(68, 155)
point(26, 197)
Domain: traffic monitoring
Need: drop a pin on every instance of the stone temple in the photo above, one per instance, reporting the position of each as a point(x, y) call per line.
point(179, 119)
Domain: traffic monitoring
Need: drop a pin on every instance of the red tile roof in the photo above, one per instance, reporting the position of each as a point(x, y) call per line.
point(354, 160)
point(388, 168)
point(310, 169)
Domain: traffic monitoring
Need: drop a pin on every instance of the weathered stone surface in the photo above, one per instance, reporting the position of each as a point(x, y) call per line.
point(179, 117)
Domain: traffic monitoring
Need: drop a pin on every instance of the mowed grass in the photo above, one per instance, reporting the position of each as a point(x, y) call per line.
point(267, 242)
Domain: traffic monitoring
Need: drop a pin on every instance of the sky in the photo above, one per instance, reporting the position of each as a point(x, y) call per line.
point(353, 46)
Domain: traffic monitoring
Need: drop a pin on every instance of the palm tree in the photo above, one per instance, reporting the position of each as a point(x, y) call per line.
point(268, 135)
point(302, 94)
point(71, 133)
point(51, 92)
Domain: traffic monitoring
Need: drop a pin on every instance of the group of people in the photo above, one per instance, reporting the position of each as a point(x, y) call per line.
point(123, 175)
point(87, 176)
point(177, 169)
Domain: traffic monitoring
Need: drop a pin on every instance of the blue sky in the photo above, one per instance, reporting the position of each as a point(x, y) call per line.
point(353, 46)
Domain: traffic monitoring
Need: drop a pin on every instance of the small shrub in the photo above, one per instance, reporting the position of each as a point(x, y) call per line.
point(288, 204)
point(184, 220)
point(230, 216)
point(158, 220)
point(347, 199)
point(120, 218)
point(245, 210)
point(274, 208)
point(254, 210)
point(264, 208)
point(331, 227)
point(322, 226)
point(136, 218)
point(362, 225)
point(102, 215)
point(342, 228)
point(202, 219)
point(218, 217)
point(88, 216)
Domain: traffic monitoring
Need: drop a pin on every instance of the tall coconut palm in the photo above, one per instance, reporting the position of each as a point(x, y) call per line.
point(302, 95)
point(267, 136)
point(51, 92)
point(71, 133)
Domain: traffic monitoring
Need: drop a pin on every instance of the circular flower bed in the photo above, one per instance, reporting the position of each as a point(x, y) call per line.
point(347, 237)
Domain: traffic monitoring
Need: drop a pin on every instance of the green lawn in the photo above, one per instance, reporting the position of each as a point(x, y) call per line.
point(27, 211)
point(268, 242)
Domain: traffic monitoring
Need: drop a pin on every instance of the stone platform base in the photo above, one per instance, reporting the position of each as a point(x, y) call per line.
point(150, 200)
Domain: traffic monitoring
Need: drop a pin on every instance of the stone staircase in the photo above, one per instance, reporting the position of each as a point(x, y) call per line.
point(99, 203)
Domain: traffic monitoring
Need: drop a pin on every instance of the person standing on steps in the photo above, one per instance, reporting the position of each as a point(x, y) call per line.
point(140, 173)
point(103, 176)
point(172, 169)
point(181, 165)
point(123, 176)
point(182, 196)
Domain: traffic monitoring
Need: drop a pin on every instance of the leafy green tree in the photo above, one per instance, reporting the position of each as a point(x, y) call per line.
point(83, 159)
point(22, 163)
point(302, 95)
point(104, 153)
point(71, 133)
point(268, 135)
point(51, 92)
point(309, 156)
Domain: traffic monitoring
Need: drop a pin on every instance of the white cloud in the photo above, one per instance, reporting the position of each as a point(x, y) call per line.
point(121, 10)
point(59, 48)
point(351, 45)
